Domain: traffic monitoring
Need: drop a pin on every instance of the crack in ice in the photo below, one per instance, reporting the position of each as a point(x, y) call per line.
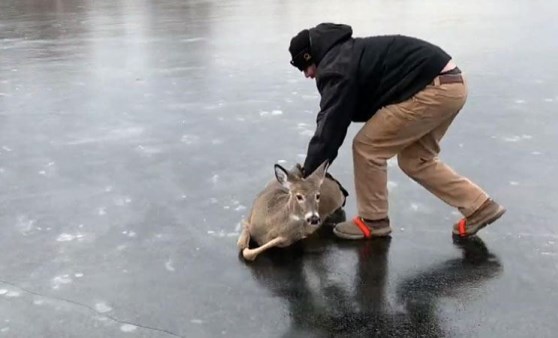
point(124, 324)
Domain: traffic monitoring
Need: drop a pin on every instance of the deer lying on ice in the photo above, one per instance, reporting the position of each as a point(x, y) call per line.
point(289, 209)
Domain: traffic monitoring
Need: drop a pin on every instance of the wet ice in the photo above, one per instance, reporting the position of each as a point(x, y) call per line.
point(121, 117)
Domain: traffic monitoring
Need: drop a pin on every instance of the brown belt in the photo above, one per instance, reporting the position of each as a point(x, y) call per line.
point(447, 78)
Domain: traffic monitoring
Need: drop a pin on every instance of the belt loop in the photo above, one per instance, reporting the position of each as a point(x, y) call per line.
point(436, 81)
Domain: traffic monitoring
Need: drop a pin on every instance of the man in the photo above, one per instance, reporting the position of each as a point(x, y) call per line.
point(407, 92)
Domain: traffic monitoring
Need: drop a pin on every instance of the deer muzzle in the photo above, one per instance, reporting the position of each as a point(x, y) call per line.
point(312, 218)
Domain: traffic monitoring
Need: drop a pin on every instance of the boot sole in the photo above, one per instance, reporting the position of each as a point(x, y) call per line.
point(501, 211)
point(378, 233)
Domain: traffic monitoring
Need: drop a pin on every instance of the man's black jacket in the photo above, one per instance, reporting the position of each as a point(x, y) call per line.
point(358, 76)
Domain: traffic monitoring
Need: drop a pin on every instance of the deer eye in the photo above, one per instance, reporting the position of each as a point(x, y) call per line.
point(317, 197)
point(299, 197)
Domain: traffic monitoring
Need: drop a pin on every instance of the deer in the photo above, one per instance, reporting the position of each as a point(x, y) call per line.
point(290, 208)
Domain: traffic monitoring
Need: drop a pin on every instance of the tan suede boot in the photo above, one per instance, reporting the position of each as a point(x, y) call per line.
point(488, 213)
point(358, 228)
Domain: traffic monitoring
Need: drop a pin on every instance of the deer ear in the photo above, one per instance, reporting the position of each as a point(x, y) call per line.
point(320, 172)
point(282, 176)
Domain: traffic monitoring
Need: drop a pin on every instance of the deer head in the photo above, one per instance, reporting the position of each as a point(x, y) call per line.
point(304, 193)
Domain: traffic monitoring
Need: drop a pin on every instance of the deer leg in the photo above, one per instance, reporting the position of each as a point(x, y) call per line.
point(251, 254)
point(244, 238)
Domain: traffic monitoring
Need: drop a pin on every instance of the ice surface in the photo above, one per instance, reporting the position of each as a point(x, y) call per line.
point(135, 135)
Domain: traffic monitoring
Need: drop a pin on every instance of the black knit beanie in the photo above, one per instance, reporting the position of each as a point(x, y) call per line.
point(300, 50)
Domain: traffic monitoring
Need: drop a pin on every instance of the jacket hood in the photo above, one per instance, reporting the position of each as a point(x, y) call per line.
point(326, 35)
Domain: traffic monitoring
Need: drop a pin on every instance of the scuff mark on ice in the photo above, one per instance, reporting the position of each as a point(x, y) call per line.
point(169, 266)
point(102, 307)
point(60, 280)
point(128, 328)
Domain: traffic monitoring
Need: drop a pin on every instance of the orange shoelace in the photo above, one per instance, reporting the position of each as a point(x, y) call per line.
point(362, 226)
point(461, 227)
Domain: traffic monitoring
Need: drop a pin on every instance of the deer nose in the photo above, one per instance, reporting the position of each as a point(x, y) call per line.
point(314, 219)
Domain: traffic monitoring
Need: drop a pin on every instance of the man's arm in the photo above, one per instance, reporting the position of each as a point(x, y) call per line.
point(336, 109)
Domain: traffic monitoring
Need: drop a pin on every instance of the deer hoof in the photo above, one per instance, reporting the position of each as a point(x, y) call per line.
point(248, 254)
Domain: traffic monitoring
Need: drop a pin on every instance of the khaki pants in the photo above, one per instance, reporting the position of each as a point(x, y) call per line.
point(412, 130)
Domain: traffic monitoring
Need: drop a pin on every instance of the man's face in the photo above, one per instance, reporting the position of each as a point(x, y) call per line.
point(310, 72)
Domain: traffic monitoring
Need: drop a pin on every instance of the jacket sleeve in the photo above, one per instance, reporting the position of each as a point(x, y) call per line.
point(338, 100)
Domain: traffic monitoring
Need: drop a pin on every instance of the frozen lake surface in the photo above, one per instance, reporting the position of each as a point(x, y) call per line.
point(134, 136)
